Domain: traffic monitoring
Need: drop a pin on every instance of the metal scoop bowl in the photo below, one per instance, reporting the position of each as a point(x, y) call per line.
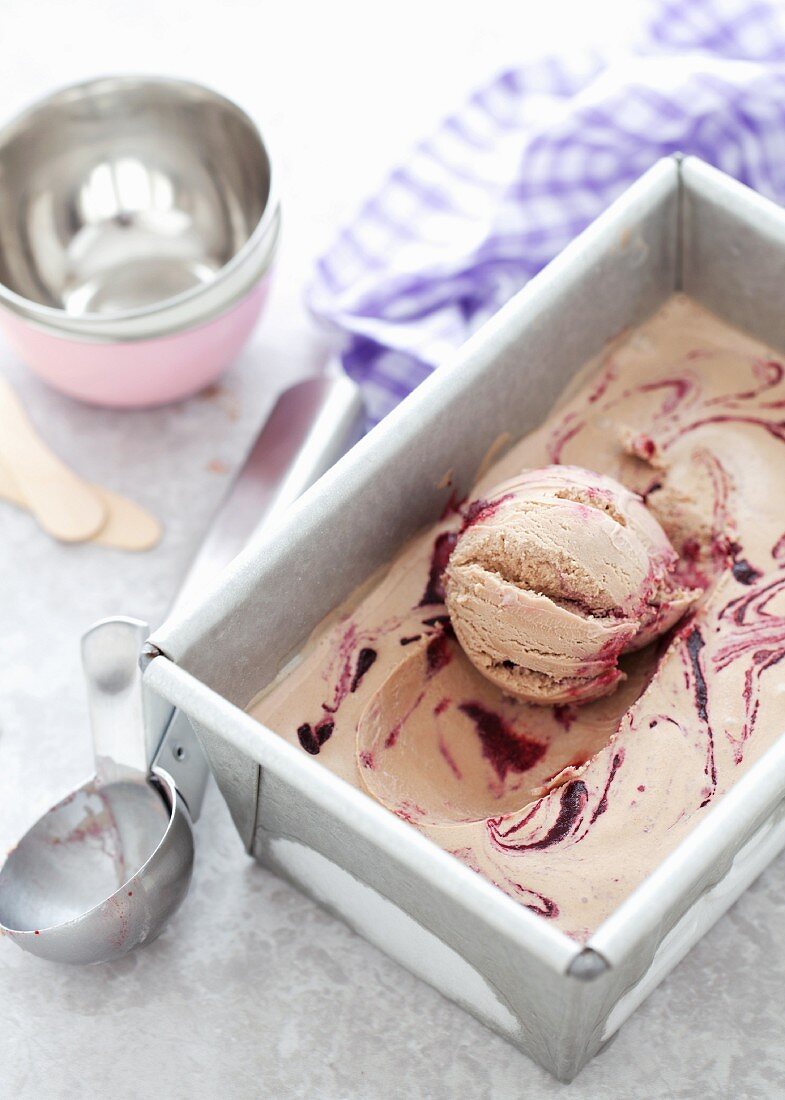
point(106, 867)
point(61, 898)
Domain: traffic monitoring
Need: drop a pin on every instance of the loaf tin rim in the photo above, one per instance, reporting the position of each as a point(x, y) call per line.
point(637, 917)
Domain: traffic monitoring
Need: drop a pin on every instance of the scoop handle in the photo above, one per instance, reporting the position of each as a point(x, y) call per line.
point(116, 701)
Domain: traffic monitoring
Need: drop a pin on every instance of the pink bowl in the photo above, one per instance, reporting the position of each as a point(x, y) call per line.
point(141, 373)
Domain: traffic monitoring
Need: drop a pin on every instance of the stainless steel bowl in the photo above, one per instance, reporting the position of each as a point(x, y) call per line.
point(131, 206)
point(138, 222)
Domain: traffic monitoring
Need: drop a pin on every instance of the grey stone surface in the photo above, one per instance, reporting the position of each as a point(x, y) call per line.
point(253, 990)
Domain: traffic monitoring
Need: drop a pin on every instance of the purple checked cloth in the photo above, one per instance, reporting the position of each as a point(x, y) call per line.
point(506, 182)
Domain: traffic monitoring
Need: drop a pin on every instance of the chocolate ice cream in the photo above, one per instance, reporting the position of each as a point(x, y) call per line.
point(560, 572)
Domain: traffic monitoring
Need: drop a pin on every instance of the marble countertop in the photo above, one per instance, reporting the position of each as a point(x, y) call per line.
point(253, 990)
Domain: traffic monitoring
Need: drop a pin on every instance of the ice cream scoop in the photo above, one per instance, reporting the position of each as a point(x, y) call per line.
point(553, 577)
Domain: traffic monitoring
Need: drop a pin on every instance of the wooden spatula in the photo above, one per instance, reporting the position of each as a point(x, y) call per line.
point(128, 526)
point(64, 505)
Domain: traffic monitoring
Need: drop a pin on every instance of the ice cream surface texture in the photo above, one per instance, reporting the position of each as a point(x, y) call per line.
point(567, 808)
point(557, 574)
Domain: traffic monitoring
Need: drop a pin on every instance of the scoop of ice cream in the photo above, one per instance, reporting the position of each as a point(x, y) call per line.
point(554, 576)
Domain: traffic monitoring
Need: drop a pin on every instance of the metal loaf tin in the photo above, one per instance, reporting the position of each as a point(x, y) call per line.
point(681, 226)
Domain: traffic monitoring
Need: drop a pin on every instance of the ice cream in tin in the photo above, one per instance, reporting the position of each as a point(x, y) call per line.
point(557, 680)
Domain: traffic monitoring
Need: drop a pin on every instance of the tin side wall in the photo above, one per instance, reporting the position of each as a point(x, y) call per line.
point(733, 251)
